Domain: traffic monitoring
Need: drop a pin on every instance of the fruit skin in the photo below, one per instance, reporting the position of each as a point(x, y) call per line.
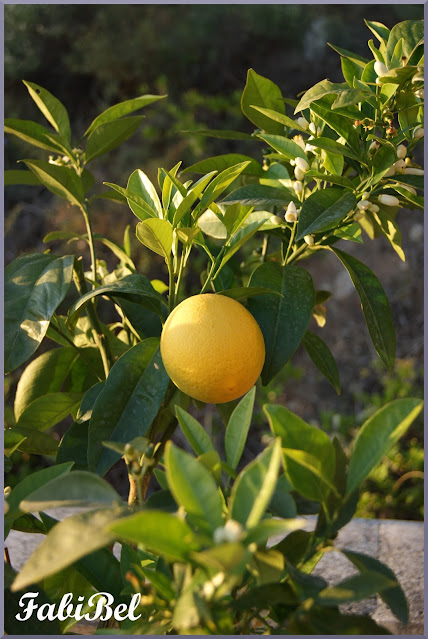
point(212, 348)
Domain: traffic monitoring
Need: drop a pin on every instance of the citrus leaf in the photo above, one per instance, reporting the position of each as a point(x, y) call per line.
point(260, 195)
point(46, 411)
point(334, 147)
point(321, 356)
point(195, 434)
point(283, 318)
point(78, 488)
point(322, 210)
point(34, 134)
point(26, 486)
point(160, 532)
point(68, 541)
point(375, 307)
point(122, 108)
point(157, 235)
point(109, 135)
point(139, 185)
point(35, 285)
point(259, 91)
point(133, 286)
point(237, 428)
point(377, 436)
point(128, 403)
point(283, 145)
point(354, 588)
point(222, 162)
point(254, 487)
point(194, 488)
point(297, 435)
point(53, 110)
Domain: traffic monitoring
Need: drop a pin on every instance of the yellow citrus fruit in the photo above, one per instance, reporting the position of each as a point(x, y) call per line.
point(212, 348)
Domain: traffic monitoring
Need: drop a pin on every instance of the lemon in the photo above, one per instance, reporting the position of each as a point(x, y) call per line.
point(212, 348)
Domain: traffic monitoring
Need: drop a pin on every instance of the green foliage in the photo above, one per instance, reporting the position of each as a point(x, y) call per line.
point(202, 552)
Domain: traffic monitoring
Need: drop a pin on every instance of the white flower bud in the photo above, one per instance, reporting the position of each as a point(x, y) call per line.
point(302, 122)
point(380, 68)
point(388, 200)
point(290, 217)
point(413, 171)
point(302, 164)
point(418, 133)
point(300, 141)
point(298, 173)
point(373, 208)
point(291, 208)
point(401, 151)
point(365, 195)
point(233, 530)
point(374, 146)
point(408, 188)
point(363, 205)
point(292, 162)
point(419, 93)
point(378, 81)
point(313, 128)
point(399, 166)
point(219, 536)
point(419, 77)
point(297, 187)
point(309, 239)
point(310, 148)
point(390, 171)
point(275, 219)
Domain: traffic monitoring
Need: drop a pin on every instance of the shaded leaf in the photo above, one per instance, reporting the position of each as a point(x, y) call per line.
point(259, 91)
point(122, 108)
point(323, 209)
point(321, 356)
point(237, 428)
point(195, 434)
point(109, 135)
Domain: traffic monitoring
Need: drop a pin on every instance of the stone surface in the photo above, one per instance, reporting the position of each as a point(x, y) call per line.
point(398, 544)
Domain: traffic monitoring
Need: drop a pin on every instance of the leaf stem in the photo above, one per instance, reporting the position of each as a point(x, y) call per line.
point(292, 236)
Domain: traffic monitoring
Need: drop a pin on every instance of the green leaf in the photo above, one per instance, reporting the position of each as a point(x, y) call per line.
point(108, 136)
point(382, 162)
point(282, 319)
point(380, 30)
point(122, 108)
point(218, 185)
point(322, 210)
point(34, 287)
point(254, 487)
point(194, 488)
point(339, 123)
point(139, 185)
point(321, 356)
point(282, 503)
point(239, 239)
point(320, 619)
point(350, 70)
point(135, 287)
point(375, 307)
point(157, 235)
point(211, 225)
point(45, 374)
point(53, 110)
point(195, 434)
point(394, 597)
point(194, 193)
point(260, 195)
point(36, 442)
point(391, 231)
point(68, 541)
point(319, 90)
point(414, 200)
point(78, 488)
point(350, 232)
point(74, 445)
point(60, 180)
point(261, 92)
point(268, 528)
point(354, 588)
point(46, 411)
point(221, 162)
point(412, 33)
point(28, 485)
point(350, 97)
point(244, 292)
point(279, 117)
point(237, 428)
point(407, 112)
point(34, 134)
point(284, 146)
point(344, 53)
point(128, 403)
point(296, 435)
point(377, 436)
point(334, 147)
